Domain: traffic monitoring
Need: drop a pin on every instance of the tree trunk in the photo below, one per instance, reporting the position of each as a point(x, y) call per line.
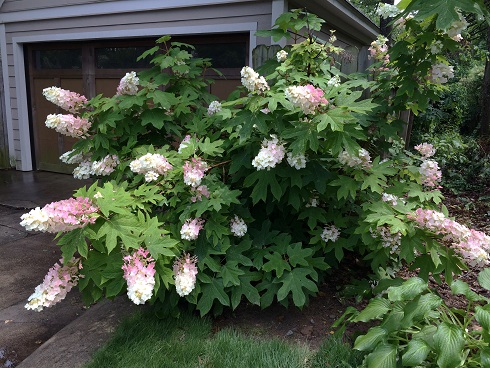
point(485, 100)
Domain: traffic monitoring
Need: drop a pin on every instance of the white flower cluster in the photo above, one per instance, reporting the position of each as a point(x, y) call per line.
point(312, 203)
point(388, 240)
point(307, 98)
point(36, 220)
point(252, 81)
point(330, 233)
point(86, 168)
point(140, 289)
point(436, 47)
point(387, 10)
point(151, 165)
point(298, 161)
point(281, 56)
point(271, 154)
point(105, 166)
point(430, 172)
point(441, 73)
point(214, 107)
point(363, 159)
point(128, 84)
point(185, 271)
point(457, 28)
point(238, 227)
point(334, 81)
point(393, 199)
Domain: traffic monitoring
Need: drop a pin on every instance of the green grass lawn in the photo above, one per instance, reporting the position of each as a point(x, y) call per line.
point(146, 341)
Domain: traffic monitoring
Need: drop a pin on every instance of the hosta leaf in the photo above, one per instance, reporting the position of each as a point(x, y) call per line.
point(459, 287)
point(484, 278)
point(376, 308)
point(483, 316)
point(449, 343)
point(485, 357)
point(369, 341)
point(408, 290)
point(417, 351)
point(384, 356)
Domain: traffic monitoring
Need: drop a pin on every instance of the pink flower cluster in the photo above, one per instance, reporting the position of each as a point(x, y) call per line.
point(472, 245)
point(185, 272)
point(56, 284)
point(105, 166)
point(128, 84)
point(379, 52)
point(252, 81)
point(69, 125)
point(431, 175)
point(271, 154)
point(190, 229)
point(65, 215)
point(139, 273)
point(67, 100)
point(194, 171)
point(199, 192)
point(425, 149)
point(185, 143)
point(151, 165)
point(307, 98)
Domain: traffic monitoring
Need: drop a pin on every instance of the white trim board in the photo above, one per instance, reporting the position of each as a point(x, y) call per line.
point(108, 7)
point(20, 75)
point(6, 91)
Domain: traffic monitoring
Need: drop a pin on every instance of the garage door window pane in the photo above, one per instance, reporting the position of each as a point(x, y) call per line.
point(120, 58)
point(58, 59)
point(223, 55)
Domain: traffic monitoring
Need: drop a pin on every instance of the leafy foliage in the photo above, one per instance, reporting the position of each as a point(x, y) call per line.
point(417, 328)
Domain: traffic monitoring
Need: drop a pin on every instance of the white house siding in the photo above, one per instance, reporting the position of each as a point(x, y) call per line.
point(224, 17)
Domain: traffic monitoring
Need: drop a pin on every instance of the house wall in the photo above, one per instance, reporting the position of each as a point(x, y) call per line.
point(27, 21)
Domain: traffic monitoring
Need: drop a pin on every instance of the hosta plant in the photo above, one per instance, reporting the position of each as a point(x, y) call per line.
point(418, 328)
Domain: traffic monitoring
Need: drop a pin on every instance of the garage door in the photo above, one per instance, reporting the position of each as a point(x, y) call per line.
point(91, 68)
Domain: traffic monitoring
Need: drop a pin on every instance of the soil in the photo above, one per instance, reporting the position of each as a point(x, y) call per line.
point(313, 324)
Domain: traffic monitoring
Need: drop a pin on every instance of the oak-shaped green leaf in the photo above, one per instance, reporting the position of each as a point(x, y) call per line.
point(211, 291)
point(276, 262)
point(293, 282)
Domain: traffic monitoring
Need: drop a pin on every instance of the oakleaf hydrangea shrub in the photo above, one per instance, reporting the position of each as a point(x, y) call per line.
point(249, 199)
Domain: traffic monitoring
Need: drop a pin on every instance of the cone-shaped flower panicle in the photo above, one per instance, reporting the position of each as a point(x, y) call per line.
point(185, 272)
point(59, 280)
point(139, 273)
point(65, 215)
point(67, 100)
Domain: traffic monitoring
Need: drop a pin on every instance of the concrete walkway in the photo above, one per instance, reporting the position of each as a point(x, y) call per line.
point(66, 335)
